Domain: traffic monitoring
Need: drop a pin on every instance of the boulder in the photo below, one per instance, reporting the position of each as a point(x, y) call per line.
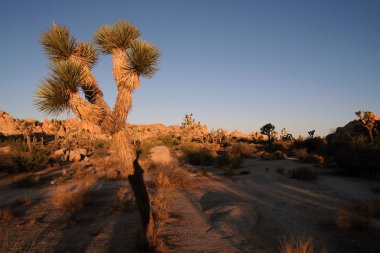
point(60, 152)
point(82, 151)
point(74, 156)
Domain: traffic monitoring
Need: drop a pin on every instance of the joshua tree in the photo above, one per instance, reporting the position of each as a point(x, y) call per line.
point(71, 64)
point(311, 134)
point(267, 130)
point(367, 120)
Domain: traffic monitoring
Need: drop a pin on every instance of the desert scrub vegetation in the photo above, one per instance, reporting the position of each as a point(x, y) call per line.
point(304, 173)
point(25, 158)
point(198, 153)
point(359, 216)
point(169, 175)
point(298, 245)
point(242, 149)
point(71, 202)
point(6, 215)
point(228, 162)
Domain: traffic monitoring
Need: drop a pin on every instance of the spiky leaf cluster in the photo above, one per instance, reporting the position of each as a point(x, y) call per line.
point(119, 36)
point(53, 94)
point(143, 58)
point(87, 53)
point(57, 43)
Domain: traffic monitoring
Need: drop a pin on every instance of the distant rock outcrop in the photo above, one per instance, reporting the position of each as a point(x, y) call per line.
point(7, 124)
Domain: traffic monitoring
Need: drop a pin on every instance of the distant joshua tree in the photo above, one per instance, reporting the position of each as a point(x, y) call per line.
point(71, 63)
point(367, 120)
point(267, 130)
point(311, 134)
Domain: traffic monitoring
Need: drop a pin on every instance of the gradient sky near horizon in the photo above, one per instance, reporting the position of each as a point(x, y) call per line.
point(300, 65)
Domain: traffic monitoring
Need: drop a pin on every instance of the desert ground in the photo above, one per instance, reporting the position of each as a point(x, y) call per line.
point(206, 211)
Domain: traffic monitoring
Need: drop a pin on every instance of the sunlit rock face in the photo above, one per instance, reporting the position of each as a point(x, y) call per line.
point(7, 124)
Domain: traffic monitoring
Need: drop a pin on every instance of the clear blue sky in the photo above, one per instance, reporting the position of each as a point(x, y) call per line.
point(301, 65)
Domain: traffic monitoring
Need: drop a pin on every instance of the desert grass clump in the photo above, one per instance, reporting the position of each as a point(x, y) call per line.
point(228, 162)
point(301, 153)
point(359, 216)
point(23, 201)
point(71, 202)
point(25, 157)
point(304, 173)
point(242, 149)
point(169, 175)
point(298, 245)
point(6, 215)
point(26, 180)
point(159, 207)
point(124, 198)
point(313, 159)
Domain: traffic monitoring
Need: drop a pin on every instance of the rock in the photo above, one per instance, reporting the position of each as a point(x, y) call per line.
point(5, 150)
point(60, 152)
point(238, 135)
point(82, 151)
point(7, 124)
point(86, 159)
point(74, 156)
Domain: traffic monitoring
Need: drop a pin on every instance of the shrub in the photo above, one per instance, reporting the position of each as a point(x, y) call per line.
point(349, 218)
point(168, 174)
point(228, 162)
point(70, 202)
point(27, 161)
point(23, 201)
point(197, 153)
point(6, 215)
point(304, 173)
point(301, 153)
point(278, 155)
point(241, 149)
point(313, 159)
point(101, 143)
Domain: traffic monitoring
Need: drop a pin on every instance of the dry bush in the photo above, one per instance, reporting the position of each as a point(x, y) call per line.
point(313, 159)
point(71, 202)
point(297, 245)
point(242, 149)
point(202, 172)
point(277, 155)
point(301, 153)
point(159, 207)
point(358, 216)
point(6, 215)
point(169, 175)
point(26, 180)
point(198, 153)
point(7, 163)
point(23, 201)
point(304, 173)
point(124, 197)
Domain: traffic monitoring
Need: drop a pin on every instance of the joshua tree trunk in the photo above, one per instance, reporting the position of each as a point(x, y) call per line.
point(121, 142)
point(28, 142)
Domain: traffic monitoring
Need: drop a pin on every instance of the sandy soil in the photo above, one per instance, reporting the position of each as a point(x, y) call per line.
point(40, 227)
point(250, 213)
